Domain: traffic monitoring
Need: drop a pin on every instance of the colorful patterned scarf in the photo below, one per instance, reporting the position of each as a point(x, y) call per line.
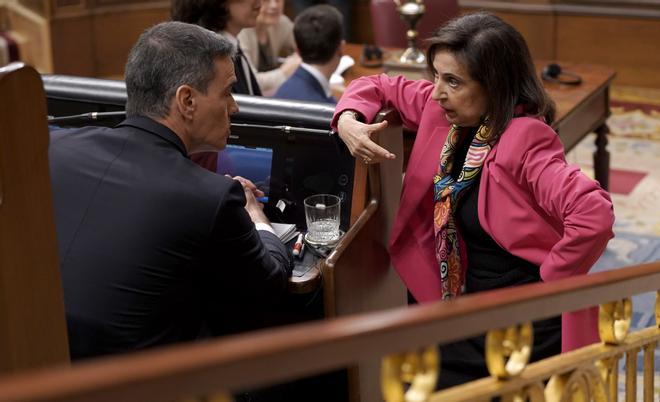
point(446, 194)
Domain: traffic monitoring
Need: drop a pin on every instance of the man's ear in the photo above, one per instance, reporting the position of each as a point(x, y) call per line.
point(185, 101)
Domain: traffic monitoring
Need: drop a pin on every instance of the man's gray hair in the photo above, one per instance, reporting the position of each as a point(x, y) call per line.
point(165, 57)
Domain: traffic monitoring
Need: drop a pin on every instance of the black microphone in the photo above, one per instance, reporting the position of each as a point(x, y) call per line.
point(105, 115)
point(85, 116)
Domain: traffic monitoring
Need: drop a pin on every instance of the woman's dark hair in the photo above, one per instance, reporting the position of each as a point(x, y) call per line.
point(209, 14)
point(496, 56)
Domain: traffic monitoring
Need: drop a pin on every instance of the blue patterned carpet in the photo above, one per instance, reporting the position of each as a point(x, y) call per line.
point(635, 162)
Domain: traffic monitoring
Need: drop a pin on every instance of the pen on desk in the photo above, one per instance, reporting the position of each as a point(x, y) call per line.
point(297, 246)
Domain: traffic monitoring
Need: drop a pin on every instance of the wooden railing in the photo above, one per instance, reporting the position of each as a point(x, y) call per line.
point(246, 361)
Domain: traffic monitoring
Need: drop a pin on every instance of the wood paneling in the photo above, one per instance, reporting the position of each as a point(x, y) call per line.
point(629, 45)
point(73, 46)
point(33, 36)
point(362, 29)
point(620, 34)
point(538, 30)
point(111, 50)
point(83, 37)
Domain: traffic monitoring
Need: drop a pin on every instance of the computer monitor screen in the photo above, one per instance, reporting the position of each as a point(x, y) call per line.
point(254, 164)
point(290, 167)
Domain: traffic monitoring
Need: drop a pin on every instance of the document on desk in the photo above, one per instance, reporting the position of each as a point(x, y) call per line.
point(285, 231)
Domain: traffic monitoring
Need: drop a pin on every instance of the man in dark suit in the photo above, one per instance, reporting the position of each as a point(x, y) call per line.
point(153, 248)
point(318, 35)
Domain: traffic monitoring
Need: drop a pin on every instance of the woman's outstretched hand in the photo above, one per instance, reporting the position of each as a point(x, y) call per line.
point(358, 138)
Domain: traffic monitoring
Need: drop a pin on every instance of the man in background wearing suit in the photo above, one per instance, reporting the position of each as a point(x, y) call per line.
point(153, 248)
point(318, 35)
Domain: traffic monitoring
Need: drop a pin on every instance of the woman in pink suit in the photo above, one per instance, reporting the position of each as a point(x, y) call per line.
point(488, 200)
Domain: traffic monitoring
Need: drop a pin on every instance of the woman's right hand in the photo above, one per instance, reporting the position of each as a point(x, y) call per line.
point(358, 138)
point(291, 64)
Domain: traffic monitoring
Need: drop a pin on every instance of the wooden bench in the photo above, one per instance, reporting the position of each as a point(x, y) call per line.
point(32, 321)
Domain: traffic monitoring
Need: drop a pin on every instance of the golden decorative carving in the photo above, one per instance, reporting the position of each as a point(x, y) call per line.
point(508, 350)
point(609, 373)
point(631, 374)
point(410, 377)
point(532, 393)
point(649, 370)
point(657, 309)
point(614, 321)
point(581, 385)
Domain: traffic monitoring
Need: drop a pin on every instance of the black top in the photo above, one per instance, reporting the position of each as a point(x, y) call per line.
point(489, 265)
point(266, 60)
point(152, 247)
point(241, 84)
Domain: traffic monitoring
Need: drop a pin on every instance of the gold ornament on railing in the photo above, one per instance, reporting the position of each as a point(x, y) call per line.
point(531, 393)
point(609, 373)
point(508, 350)
point(614, 321)
point(584, 384)
point(657, 309)
point(410, 377)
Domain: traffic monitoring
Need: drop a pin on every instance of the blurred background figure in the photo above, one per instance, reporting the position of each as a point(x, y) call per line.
point(269, 40)
point(318, 34)
point(228, 18)
point(344, 7)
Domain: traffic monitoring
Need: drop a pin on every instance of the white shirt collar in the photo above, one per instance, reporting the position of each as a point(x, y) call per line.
point(325, 84)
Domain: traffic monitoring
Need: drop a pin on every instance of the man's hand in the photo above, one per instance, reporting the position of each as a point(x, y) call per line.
point(253, 207)
point(357, 137)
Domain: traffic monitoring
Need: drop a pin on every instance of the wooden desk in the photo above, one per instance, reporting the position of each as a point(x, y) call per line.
point(581, 109)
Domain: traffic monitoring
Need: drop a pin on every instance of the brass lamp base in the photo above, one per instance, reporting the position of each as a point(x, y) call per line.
point(394, 64)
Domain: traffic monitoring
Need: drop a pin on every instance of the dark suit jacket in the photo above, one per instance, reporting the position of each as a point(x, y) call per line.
point(305, 87)
point(152, 247)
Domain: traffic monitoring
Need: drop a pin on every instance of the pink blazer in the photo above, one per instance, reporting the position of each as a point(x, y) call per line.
point(531, 202)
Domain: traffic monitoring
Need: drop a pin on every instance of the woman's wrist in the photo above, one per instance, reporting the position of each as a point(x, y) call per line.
point(348, 113)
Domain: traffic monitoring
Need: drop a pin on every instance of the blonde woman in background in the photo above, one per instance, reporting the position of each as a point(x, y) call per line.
point(271, 38)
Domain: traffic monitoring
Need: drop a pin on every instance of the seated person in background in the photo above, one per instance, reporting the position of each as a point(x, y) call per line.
point(153, 248)
point(227, 18)
point(271, 38)
point(318, 33)
point(487, 179)
point(344, 6)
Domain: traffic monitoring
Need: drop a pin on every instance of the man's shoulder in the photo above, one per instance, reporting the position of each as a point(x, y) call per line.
point(63, 132)
point(296, 79)
point(299, 86)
